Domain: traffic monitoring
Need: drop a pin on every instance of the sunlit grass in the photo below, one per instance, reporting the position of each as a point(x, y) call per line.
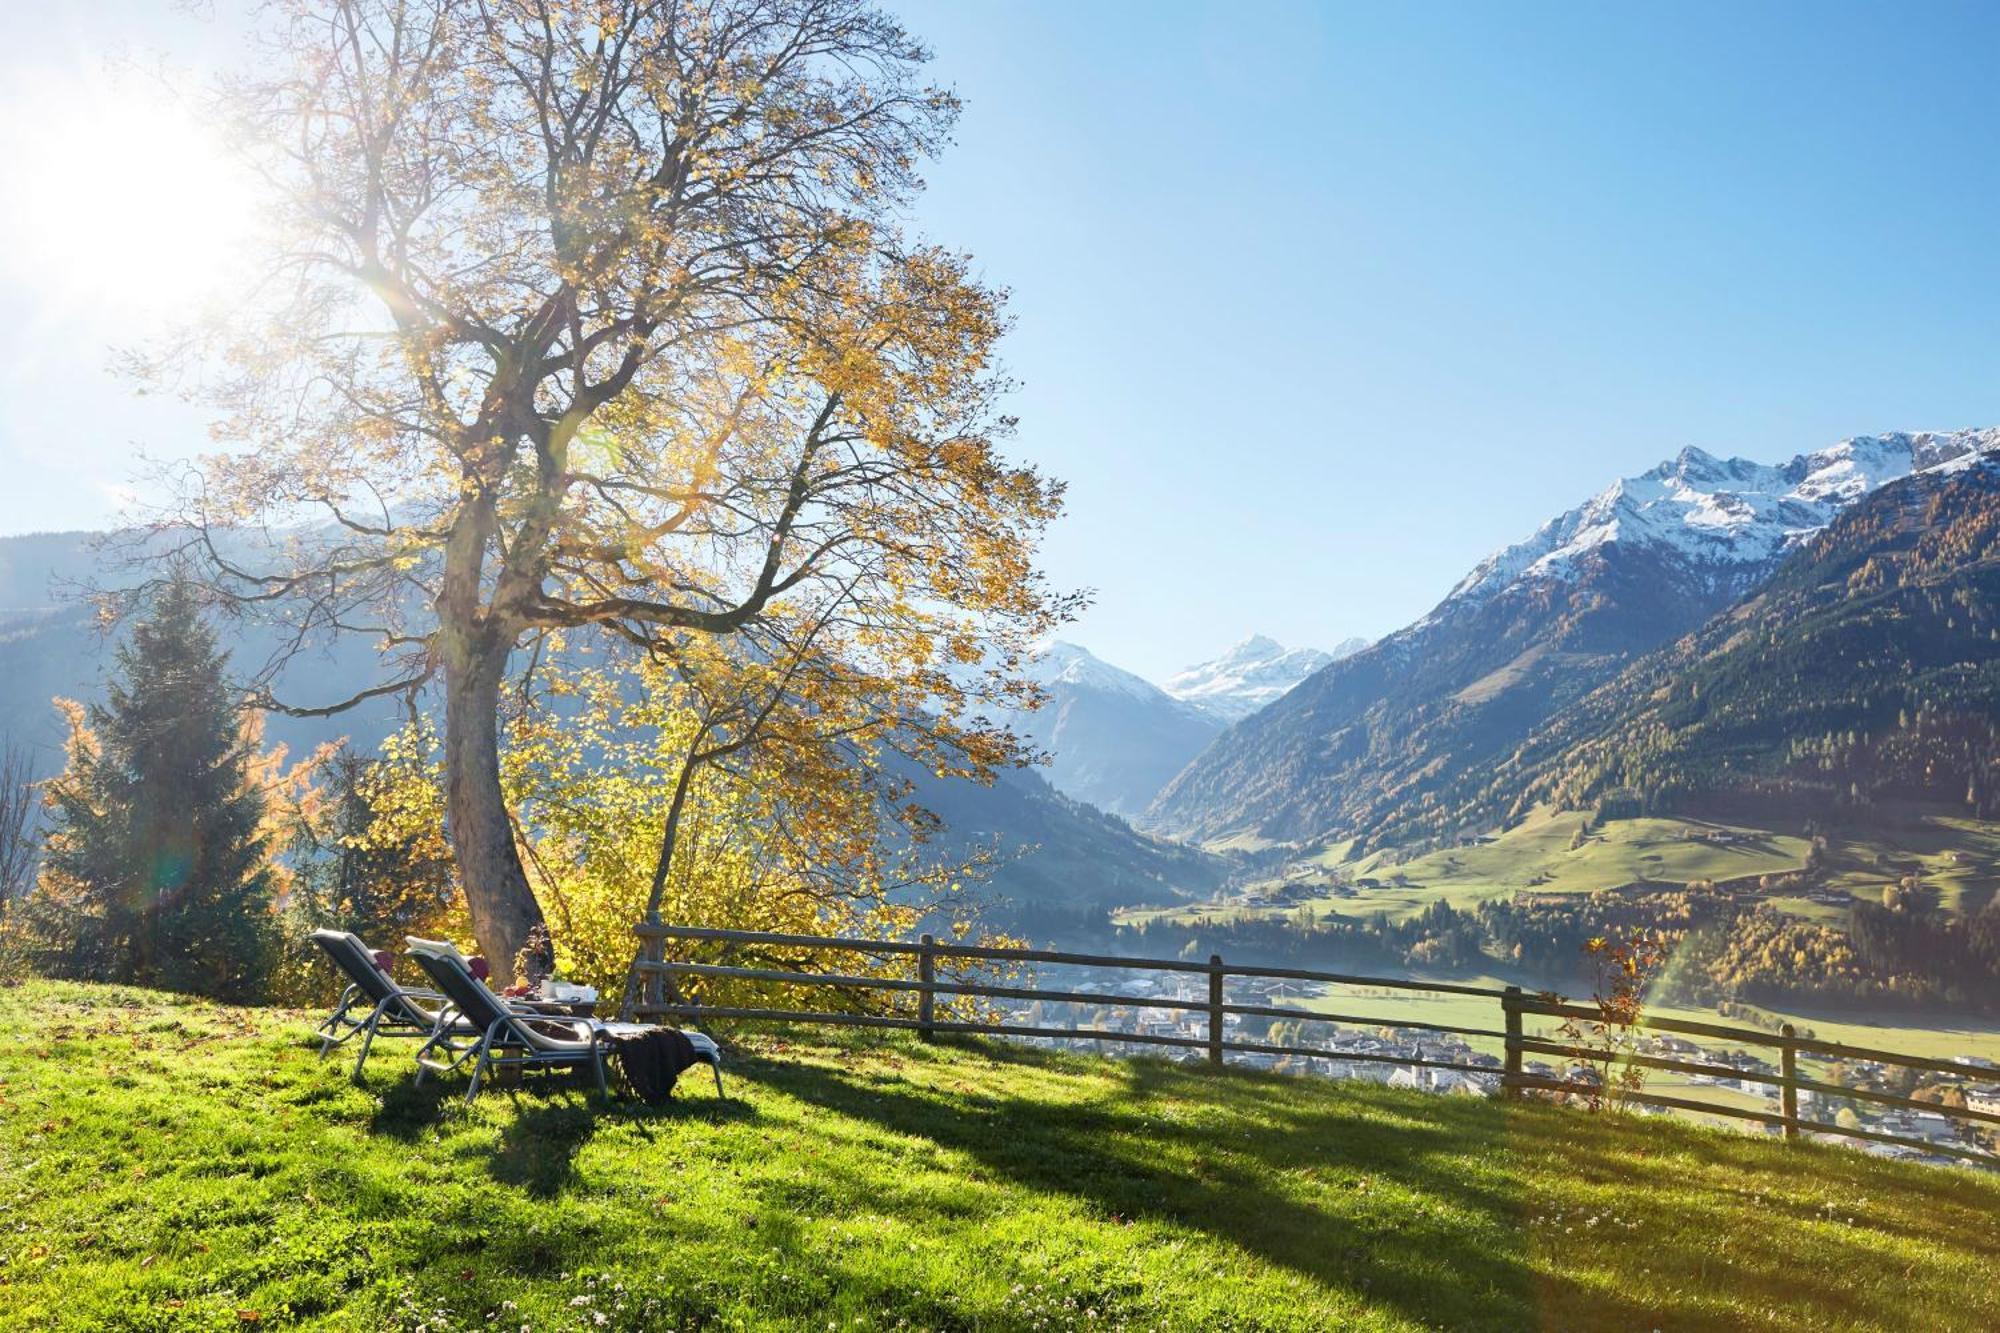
point(173, 1165)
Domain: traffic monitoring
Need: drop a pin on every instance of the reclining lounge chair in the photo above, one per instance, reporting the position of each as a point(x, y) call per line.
point(512, 1037)
point(391, 1010)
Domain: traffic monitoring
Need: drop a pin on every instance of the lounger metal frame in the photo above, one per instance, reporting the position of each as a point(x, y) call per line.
point(508, 1029)
point(505, 1030)
point(394, 1010)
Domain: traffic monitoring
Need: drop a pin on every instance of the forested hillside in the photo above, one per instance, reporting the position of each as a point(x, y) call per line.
point(1060, 865)
point(1866, 670)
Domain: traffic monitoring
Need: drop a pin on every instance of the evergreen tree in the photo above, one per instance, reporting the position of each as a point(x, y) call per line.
point(155, 870)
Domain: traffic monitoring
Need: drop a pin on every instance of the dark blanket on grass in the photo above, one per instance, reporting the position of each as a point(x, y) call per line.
point(653, 1061)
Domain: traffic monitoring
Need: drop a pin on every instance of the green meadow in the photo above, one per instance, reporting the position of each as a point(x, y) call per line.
point(176, 1165)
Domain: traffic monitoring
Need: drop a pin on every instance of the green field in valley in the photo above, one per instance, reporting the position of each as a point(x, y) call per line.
point(177, 1165)
point(1958, 857)
point(1535, 856)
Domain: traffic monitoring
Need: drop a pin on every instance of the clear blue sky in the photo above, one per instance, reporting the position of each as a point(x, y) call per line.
point(1319, 304)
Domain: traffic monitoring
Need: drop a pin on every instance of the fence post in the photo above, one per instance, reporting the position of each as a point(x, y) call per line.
point(1510, 1079)
point(926, 998)
point(642, 988)
point(1215, 1009)
point(1788, 1068)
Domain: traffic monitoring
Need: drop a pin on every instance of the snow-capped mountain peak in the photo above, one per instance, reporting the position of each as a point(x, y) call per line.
point(1057, 662)
point(1251, 675)
point(1113, 738)
point(1723, 516)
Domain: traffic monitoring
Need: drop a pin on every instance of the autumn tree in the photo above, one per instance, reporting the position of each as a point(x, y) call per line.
point(598, 321)
point(793, 704)
point(367, 845)
point(738, 795)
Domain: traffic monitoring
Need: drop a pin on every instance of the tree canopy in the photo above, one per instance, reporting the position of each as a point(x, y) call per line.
point(601, 320)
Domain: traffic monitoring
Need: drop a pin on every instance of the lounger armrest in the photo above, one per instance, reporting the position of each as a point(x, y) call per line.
point(549, 1008)
point(585, 1028)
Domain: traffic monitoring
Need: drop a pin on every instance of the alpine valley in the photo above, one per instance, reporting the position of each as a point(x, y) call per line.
point(1782, 679)
point(1755, 708)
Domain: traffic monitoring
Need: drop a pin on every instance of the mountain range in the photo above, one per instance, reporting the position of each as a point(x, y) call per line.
point(1391, 745)
point(1251, 675)
point(1709, 633)
point(1114, 739)
point(1865, 670)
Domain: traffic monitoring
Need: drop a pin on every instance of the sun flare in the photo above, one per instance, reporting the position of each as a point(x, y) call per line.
point(119, 201)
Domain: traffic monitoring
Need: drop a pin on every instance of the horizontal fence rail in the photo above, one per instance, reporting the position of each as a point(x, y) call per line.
point(655, 992)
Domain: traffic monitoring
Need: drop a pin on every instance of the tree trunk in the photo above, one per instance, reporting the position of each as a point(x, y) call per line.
point(670, 837)
point(502, 906)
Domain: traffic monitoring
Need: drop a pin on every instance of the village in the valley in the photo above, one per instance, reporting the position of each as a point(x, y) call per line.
point(1419, 1059)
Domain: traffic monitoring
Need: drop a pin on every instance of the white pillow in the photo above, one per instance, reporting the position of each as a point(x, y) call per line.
point(440, 947)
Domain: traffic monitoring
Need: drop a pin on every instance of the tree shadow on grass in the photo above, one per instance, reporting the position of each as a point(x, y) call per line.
point(407, 1109)
point(555, 1113)
point(540, 1142)
point(1112, 1154)
point(1742, 1272)
point(1433, 1213)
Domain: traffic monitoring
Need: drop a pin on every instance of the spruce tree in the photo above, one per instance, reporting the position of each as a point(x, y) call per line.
point(156, 872)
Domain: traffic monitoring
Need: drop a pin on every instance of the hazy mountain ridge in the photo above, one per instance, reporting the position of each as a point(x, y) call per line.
point(1055, 851)
point(1062, 863)
point(1382, 746)
point(1113, 739)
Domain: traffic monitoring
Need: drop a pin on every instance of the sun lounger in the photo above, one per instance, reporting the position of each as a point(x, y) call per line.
point(511, 1037)
point(373, 1004)
point(507, 1038)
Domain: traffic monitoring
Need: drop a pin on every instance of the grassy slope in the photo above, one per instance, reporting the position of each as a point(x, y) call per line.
point(174, 1165)
point(1959, 857)
point(1620, 852)
point(1535, 857)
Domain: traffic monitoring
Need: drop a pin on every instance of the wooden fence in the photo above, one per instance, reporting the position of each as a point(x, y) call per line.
point(655, 992)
